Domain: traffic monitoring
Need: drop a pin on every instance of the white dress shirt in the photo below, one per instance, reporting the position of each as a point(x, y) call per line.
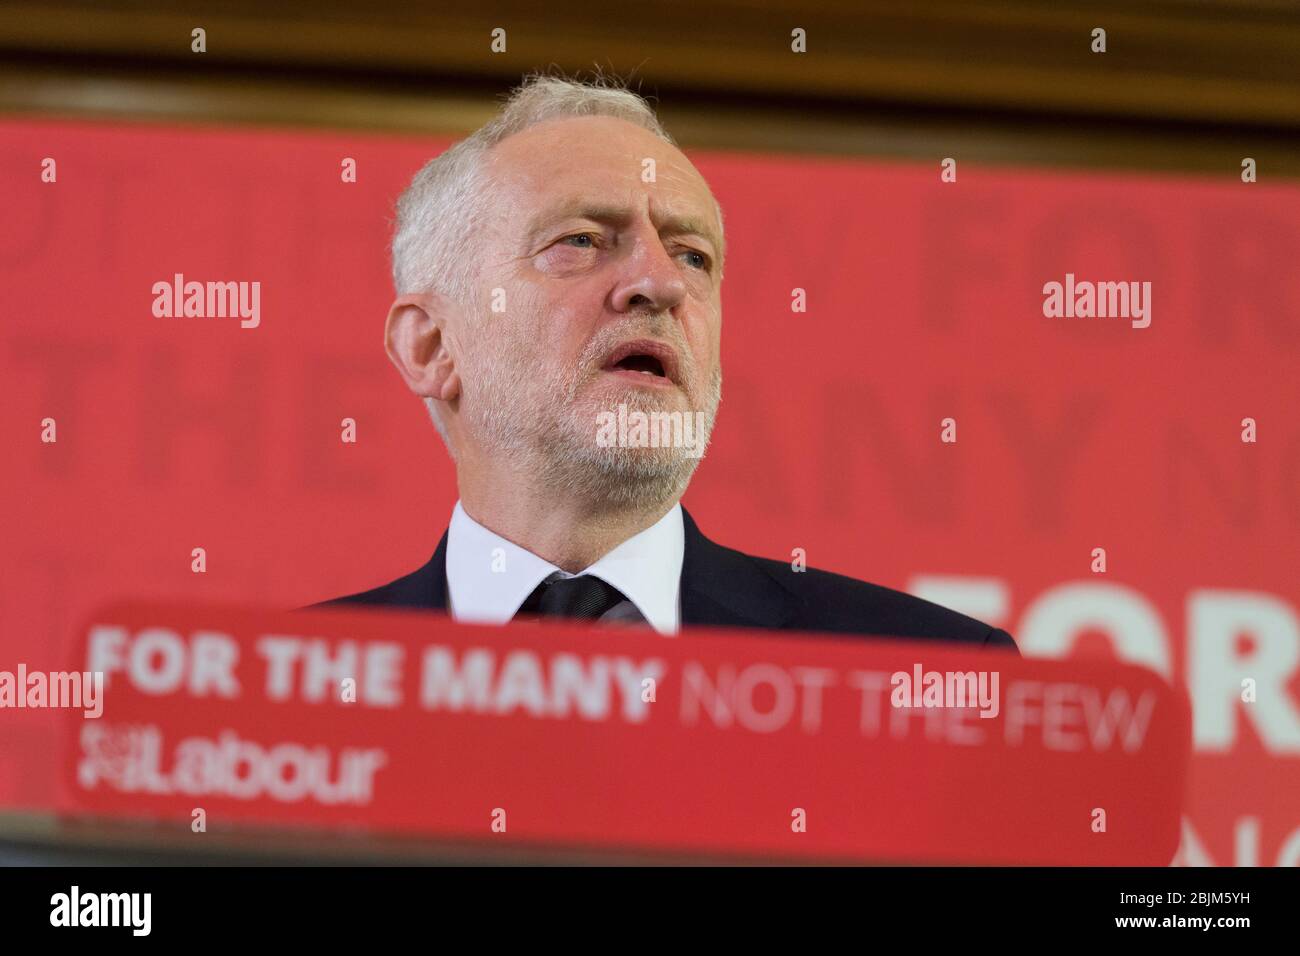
point(488, 577)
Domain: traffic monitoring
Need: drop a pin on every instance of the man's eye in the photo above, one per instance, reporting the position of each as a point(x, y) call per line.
point(583, 240)
point(698, 260)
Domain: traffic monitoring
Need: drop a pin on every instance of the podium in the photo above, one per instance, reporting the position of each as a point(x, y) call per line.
point(341, 735)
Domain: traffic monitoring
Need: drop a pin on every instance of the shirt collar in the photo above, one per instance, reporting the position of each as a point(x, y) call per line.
point(488, 577)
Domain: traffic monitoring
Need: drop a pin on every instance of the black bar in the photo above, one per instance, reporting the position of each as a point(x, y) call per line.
point(472, 908)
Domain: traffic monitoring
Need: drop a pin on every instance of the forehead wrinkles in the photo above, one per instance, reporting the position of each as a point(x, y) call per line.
point(526, 183)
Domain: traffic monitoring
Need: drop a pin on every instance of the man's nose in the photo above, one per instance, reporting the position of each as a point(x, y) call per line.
point(650, 278)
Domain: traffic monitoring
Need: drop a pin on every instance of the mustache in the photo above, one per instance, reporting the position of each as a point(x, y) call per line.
point(650, 327)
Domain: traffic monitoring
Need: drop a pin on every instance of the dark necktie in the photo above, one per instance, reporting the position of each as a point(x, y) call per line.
point(586, 597)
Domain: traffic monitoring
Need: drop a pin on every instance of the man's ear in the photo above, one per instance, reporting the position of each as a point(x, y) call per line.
point(415, 339)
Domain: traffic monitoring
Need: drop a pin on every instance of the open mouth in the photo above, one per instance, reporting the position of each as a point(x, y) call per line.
point(646, 364)
point(646, 361)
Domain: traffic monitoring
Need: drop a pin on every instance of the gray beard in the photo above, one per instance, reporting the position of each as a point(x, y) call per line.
point(555, 444)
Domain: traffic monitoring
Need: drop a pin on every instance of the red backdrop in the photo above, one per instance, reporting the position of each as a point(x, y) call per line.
point(924, 303)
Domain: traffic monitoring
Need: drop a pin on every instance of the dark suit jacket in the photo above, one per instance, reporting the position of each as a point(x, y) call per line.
point(726, 588)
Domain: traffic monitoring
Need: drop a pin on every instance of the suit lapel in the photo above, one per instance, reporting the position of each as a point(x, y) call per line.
point(724, 588)
point(438, 583)
point(425, 587)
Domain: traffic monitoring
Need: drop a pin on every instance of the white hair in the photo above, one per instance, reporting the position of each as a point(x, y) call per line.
point(440, 207)
point(438, 213)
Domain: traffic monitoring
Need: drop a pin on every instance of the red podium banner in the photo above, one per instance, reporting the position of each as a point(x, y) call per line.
point(714, 743)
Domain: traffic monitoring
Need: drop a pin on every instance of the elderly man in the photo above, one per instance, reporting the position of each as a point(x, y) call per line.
point(559, 271)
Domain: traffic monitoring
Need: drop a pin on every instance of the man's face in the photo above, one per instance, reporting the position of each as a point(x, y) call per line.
point(602, 249)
